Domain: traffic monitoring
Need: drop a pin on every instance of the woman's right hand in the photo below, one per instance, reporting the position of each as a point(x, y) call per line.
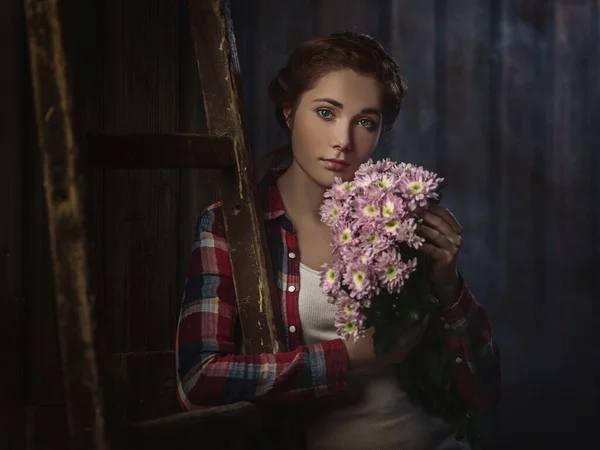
point(361, 355)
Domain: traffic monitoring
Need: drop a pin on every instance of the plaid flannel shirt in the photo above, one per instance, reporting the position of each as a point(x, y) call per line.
point(212, 368)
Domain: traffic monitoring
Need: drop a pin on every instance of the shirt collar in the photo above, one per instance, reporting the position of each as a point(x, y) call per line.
point(271, 197)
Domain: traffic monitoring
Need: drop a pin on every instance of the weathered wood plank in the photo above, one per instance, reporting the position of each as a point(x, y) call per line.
point(575, 262)
point(334, 16)
point(47, 428)
point(140, 231)
point(512, 186)
point(146, 385)
point(413, 137)
point(12, 295)
point(257, 301)
point(197, 188)
point(57, 140)
point(158, 150)
point(465, 108)
point(512, 118)
point(41, 338)
point(572, 264)
point(262, 56)
point(592, 121)
point(210, 428)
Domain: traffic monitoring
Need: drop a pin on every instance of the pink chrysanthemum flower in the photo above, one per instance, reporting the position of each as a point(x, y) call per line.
point(373, 239)
point(408, 233)
point(331, 277)
point(331, 211)
point(392, 271)
point(401, 168)
point(368, 209)
point(359, 279)
point(340, 190)
point(370, 167)
point(418, 186)
point(344, 237)
point(369, 217)
point(349, 326)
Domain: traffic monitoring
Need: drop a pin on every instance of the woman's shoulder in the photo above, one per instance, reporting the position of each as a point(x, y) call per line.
point(211, 219)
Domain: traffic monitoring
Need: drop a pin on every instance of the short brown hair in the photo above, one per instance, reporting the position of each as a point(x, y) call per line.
point(313, 59)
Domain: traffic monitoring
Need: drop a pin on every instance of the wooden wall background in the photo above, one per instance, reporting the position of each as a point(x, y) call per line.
point(504, 101)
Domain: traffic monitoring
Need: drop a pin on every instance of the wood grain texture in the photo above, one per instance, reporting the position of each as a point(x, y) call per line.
point(47, 427)
point(145, 386)
point(212, 428)
point(197, 188)
point(334, 16)
point(57, 141)
point(140, 231)
point(268, 18)
point(12, 295)
point(159, 150)
point(413, 136)
point(256, 296)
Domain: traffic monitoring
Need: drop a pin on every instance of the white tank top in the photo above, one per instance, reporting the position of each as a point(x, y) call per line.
point(379, 416)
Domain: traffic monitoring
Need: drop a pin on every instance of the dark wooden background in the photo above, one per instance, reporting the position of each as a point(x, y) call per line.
point(503, 100)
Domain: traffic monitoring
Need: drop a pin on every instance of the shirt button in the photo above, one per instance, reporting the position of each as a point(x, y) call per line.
point(447, 326)
point(458, 360)
point(292, 288)
point(292, 329)
point(292, 255)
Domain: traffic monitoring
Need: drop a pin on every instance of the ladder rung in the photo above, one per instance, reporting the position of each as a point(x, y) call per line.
point(159, 150)
point(220, 425)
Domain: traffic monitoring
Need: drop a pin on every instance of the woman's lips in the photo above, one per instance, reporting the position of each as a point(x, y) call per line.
point(335, 166)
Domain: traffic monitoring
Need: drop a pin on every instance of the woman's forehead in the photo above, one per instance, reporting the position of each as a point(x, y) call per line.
point(350, 90)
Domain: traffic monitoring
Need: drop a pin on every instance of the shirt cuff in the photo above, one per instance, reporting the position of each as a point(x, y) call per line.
point(456, 313)
point(330, 373)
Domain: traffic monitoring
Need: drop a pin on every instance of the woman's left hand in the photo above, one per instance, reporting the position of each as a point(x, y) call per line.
point(444, 237)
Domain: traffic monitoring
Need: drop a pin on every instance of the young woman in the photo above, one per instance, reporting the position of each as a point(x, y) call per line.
point(335, 97)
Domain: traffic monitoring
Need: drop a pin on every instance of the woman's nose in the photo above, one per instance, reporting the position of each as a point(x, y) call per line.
point(341, 138)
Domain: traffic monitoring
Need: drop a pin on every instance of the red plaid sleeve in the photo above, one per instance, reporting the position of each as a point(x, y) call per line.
point(477, 364)
point(211, 370)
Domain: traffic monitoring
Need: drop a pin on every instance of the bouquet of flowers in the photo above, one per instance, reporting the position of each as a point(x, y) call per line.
point(378, 276)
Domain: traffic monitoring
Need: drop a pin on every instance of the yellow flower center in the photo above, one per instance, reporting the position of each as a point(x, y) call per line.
point(359, 278)
point(345, 236)
point(392, 225)
point(331, 275)
point(416, 187)
point(391, 272)
point(370, 210)
point(388, 209)
point(385, 183)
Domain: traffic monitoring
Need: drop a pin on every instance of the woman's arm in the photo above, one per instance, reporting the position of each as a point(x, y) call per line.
point(209, 372)
point(476, 357)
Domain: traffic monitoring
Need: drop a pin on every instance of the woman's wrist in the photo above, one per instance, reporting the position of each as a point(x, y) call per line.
point(449, 295)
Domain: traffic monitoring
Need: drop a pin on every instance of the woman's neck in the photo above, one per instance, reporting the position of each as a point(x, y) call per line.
point(301, 195)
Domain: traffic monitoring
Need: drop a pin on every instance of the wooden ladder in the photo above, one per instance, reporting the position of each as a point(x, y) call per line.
point(225, 148)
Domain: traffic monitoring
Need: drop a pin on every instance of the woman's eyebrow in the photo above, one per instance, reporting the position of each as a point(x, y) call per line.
point(341, 106)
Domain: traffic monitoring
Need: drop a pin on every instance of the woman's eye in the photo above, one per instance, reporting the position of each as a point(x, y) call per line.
point(324, 113)
point(367, 123)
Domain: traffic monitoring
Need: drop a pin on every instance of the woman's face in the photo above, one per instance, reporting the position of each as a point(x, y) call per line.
point(336, 126)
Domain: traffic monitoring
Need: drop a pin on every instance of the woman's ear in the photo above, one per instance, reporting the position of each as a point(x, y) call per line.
point(287, 115)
